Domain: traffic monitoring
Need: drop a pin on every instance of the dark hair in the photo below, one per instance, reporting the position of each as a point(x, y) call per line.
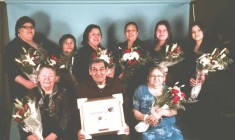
point(66, 36)
point(94, 61)
point(21, 21)
point(131, 23)
point(169, 39)
point(87, 31)
point(201, 25)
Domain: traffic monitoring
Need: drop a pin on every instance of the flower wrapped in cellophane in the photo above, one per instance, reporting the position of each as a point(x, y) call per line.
point(28, 116)
point(29, 62)
point(210, 62)
point(171, 98)
point(172, 56)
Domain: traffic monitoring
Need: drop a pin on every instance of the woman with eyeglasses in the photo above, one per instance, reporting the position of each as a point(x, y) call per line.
point(19, 83)
point(161, 126)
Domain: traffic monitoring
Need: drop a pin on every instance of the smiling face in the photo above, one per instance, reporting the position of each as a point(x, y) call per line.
point(156, 78)
point(197, 33)
point(26, 32)
point(47, 78)
point(94, 37)
point(68, 45)
point(98, 72)
point(131, 33)
point(161, 33)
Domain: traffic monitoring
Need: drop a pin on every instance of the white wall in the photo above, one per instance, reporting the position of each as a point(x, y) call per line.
point(56, 17)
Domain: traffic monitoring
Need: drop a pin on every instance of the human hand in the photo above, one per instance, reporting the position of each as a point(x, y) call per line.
point(193, 82)
point(32, 137)
point(153, 119)
point(127, 129)
point(81, 135)
point(29, 84)
point(51, 136)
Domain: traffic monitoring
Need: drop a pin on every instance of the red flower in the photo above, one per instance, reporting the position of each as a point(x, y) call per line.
point(183, 95)
point(111, 61)
point(131, 62)
point(26, 106)
point(17, 119)
point(176, 99)
point(21, 112)
point(175, 91)
point(93, 55)
point(127, 50)
point(178, 50)
point(53, 57)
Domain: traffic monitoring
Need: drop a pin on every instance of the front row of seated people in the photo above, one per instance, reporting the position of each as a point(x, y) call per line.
point(54, 103)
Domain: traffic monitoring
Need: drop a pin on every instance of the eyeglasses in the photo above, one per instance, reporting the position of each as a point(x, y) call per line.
point(156, 76)
point(27, 27)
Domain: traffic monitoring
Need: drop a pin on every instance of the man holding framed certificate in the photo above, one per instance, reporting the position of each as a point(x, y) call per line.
point(102, 104)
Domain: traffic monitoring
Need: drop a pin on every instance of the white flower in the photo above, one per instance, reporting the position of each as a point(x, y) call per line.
point(204, 61)
point(126, 56)
point(135, 55)
point(52, 62)
point(222, 56)
point(174, 47)
point(32, 107)
point(105, 58)
point(29, 60)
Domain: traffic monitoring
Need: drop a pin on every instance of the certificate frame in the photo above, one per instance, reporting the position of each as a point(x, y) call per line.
point(101, 116)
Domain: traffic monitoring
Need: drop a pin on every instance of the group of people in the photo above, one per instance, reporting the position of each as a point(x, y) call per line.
point(57, 90)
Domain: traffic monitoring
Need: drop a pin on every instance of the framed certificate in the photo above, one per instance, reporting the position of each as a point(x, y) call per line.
point(100, 116)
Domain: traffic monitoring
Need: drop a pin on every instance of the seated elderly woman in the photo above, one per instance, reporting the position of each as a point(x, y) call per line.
point(161, 121)
point(52, 101)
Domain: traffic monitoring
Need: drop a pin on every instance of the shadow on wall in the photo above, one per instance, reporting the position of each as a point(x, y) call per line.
point(43, 25)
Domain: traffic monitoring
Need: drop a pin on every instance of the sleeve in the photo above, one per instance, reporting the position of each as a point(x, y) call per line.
point(10, 65)
point(136, 102)
point(81, 65)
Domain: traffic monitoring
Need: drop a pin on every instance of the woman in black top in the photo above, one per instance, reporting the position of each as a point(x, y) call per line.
point(91, 43)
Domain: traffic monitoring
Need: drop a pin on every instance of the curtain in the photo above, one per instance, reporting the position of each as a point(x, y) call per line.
point(5, 105)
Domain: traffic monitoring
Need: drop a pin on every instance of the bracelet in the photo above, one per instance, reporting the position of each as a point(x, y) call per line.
point(145, 116)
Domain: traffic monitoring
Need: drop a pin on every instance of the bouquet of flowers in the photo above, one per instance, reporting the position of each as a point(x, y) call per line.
point(105, 55)
point(171, 98)
point(55, 62)
point(28, 116)
point(132, 58)
point(29, 63)
point(172, 56)
point(210, 62)
point(67, 60)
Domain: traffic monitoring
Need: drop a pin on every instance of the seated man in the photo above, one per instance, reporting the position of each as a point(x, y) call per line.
point(99, 85)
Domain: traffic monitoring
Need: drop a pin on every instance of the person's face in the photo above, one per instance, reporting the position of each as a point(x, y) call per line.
point(161, 33)
point(94, 37)
point(26, 32)
point(131, 33)
point(197, 33)
point(98, 72)
point(68, 45)
point(156, 78)
point(47, 78)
